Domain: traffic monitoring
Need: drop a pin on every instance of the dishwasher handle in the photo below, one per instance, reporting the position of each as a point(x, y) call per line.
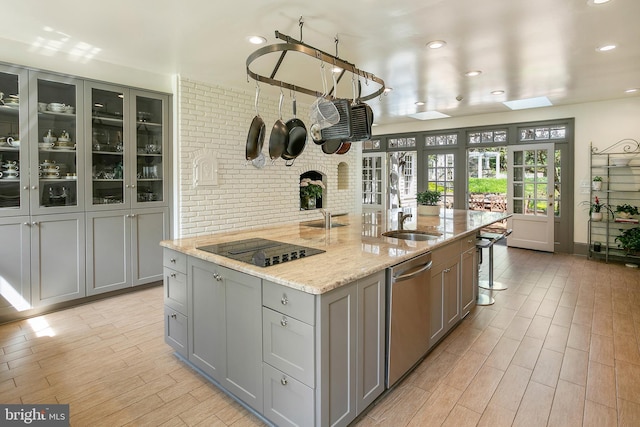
point(414, 272)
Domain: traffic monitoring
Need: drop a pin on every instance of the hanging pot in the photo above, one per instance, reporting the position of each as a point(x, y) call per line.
point(297, 135)
point(255, 137)
point(316, 134)
point(331, 146)
point(344, 148)
point(279, 137)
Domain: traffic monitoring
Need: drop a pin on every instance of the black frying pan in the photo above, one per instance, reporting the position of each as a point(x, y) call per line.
point(297, 135)
point(279, 138)
point(255, 136)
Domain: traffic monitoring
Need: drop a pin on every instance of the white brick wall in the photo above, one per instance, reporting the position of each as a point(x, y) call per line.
point(213, 122)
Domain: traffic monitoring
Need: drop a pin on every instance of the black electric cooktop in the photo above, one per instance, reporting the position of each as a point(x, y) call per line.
point(261, 252)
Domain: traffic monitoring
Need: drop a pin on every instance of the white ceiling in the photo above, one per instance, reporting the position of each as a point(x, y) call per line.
point(525, 48)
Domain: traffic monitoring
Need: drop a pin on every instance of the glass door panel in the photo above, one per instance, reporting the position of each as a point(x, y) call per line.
point(13, 118)
point(58, 142)
point(107, 147)
point(150, 146)
point(441, 176)
point(372, 181)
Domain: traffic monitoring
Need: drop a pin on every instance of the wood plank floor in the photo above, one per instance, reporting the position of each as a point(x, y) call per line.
point(559, 348)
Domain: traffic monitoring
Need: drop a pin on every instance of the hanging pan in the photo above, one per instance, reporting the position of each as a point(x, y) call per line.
point(331, 146)
point(255, 137)
point(297, 135)
point(279, 135)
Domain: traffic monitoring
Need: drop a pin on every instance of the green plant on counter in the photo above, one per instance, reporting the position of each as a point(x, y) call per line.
point(629, 240)
point(597, 179)
point(429, 197)
point(628, 209)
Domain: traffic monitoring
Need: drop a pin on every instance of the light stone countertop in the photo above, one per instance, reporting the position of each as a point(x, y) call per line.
point(353, 251)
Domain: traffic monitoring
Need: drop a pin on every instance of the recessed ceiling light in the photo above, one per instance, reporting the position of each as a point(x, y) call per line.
point(632, 90)
point(473, 73)
point(387, 89)
point(497, 92)
point(419, 103)
point(436, 44)
point(336, 70)
point(429, 115)
point(606, 47)
point(256, 40)
point(521, 104)
point(596, 2)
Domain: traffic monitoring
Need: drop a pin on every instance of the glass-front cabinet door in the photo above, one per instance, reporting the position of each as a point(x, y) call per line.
point(151, 140)
point(14, 179)
point(56, 144)
point(108, 187)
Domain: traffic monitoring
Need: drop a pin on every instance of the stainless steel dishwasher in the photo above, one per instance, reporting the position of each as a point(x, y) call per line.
point(407, 315)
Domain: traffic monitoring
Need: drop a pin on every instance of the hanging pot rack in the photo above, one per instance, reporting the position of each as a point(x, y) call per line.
point(294, 45)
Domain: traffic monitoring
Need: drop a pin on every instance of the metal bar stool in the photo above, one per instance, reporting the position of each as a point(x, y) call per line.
point(487, 240)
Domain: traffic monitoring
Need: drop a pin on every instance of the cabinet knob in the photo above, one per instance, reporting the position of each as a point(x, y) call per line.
point(172, 260)
point(26, 187)
point(27, 224)
point(174, 316)
point(34, 223)
point(217, 277)
point(284, 381)
point(173, 275)
point(446, 270)
point(34, 187)
point(133, 186)
point(284, 300)
point(283, 322)
point(133, 215)
point(127, 186)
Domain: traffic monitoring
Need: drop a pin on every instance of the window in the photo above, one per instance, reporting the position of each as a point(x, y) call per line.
point(408, 174)
point(488, 136)
point(435, 140)
point(543, 133)
point(441, 175)
point(401, 142)
point(372, 144)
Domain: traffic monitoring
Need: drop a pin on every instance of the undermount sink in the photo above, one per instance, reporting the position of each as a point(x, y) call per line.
point(321, 224)
point(412, 235)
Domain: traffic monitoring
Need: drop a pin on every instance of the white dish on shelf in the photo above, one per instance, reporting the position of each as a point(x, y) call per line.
point(620, 161)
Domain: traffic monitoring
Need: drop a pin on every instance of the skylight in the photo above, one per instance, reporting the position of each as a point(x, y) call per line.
point(429, 115)
point(522, 104)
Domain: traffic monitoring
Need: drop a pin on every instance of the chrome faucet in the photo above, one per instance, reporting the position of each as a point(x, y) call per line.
point(327, 218)
point(401, 219)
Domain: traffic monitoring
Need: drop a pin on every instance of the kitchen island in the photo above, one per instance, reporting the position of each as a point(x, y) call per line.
point(302, 342)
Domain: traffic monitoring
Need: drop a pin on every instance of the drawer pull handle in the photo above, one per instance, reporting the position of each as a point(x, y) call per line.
point(284, 300)
point(284, 381)
point(283, 322)
point(172, 260)
point(174, 316)
point(173, 275)
point(217, 277)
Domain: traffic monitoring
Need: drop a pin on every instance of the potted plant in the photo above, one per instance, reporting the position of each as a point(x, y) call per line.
point(597, 209)
point(310, 191)
point(596, 184)
point(428, 202)
point(629, 240)
point(626, 210)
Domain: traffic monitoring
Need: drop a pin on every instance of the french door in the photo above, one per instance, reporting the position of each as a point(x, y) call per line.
point(530, 193)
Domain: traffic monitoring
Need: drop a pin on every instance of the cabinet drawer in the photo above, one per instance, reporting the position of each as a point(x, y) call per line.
point(287, 402)
point(289, 301)
point(467, 242)
point(174, 260)
point(175, 290)
point(175, 330)
point(288, 344)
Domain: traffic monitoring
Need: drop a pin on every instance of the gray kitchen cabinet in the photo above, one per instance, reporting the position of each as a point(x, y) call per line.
point(50, 170)
point(371, 340)
point(15, 256)
point(57, 258)
point(123, 248)
point(176, 301)
point(350, 354)
point(297, 359)
point(468, 274)
point(444, 291)
point(225, 328)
